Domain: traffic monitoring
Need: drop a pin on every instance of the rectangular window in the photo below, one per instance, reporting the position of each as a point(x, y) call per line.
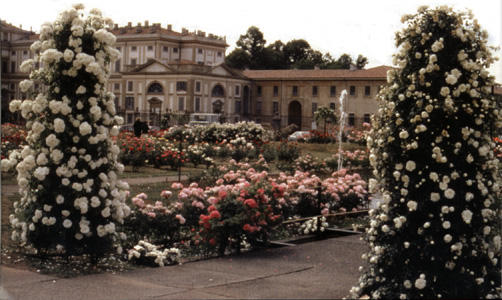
point(129, 103)
point(276, 90)
point(150, 48)
point(118, 49)
point(175, 50)
point(181, 104)
point(220, 54)
point(134, 48)
point(258, 90)
point(130, 86)
point(117, 66)
point(332, 105)
point(237, 106)
point(352, 90)
point(181, 86)
point(133, 61)
point(367, 118)
point(13, 53)
point(314, 90)
point(25, 52)
point(314, 108)
point(4, 67)
point(258, 107)
point(367, 90)
point(352, 119)
point(237, 90)
point(116, 86)
point(198, 87)
point(199, 51)
point(197, 104)
point(275, 107)
point(332, 91)
point(12, 66)
point(165, 49)
point(295, 90)
point(130, 118)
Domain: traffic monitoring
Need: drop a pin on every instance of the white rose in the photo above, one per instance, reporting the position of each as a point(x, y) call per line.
point(59, 125)
point(85, 128)
point(67, 223)
point(467, 216)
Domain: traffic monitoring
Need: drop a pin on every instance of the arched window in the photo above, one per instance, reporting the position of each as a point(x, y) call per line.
point(155, 88)
point(218, 91)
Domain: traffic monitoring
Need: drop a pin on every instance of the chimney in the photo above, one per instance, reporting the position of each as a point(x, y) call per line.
point(147, 24)
point(353, 67)
point(116, 26)
point(129, 25)
point(169, 27)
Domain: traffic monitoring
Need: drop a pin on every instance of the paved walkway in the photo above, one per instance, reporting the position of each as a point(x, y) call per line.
point(324, 269)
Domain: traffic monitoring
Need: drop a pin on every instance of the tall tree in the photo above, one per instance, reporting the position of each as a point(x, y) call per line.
point(253, 43)
point(296, 50)
point(238, 59)
point(343, 62)
point(71, 199)
point(361, 61)
point(436, 234)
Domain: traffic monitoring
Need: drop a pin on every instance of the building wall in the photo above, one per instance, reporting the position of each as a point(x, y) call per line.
point(191, 58)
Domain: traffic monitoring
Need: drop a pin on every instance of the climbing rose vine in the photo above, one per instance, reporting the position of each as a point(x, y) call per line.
point(436, 233)
point(71, 199)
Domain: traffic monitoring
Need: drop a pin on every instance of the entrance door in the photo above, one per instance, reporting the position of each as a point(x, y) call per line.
point(295, 114)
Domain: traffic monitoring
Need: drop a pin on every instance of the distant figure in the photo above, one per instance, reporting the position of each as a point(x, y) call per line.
point(138, 128)
point(145, 127)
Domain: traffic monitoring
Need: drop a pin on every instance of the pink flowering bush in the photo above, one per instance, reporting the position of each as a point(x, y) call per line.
point(243, 205)
point(339, 193)
point(167, 222)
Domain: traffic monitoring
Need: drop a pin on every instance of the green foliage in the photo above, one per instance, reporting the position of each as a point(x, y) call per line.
point(252, 53)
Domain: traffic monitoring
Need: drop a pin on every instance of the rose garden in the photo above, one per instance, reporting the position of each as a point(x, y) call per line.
point(422, 181)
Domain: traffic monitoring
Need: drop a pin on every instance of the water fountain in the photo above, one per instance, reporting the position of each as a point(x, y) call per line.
point(343, 116)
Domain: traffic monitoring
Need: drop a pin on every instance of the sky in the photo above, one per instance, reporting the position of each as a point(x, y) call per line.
point(355, 27)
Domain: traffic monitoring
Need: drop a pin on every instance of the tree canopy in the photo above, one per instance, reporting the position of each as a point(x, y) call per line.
point(253, 53)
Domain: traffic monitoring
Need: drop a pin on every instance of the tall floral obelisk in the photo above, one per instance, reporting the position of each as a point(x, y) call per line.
point(436, 235)
point(71, 199)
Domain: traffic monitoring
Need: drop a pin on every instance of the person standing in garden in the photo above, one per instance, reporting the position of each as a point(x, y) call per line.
point(138, 128)
point(436, 233)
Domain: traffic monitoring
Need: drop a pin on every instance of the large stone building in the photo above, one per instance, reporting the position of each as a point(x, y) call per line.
point(161, 71)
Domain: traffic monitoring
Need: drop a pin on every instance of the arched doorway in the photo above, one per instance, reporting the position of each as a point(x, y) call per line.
point(218, 106)
point(155, 106)
point(295, 114)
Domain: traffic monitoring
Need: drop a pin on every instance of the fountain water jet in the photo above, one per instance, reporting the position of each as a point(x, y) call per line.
point(343, 116)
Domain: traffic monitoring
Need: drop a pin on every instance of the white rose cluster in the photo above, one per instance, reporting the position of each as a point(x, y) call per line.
point(57, 155)
point(432, 149)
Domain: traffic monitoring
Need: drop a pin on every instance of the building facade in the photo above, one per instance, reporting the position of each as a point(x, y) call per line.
point(161, 71)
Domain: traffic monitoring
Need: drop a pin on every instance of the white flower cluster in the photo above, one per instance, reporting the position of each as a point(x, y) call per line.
point(433, 155)
point(313, 225)
point(65, 145)
point(148, 253)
